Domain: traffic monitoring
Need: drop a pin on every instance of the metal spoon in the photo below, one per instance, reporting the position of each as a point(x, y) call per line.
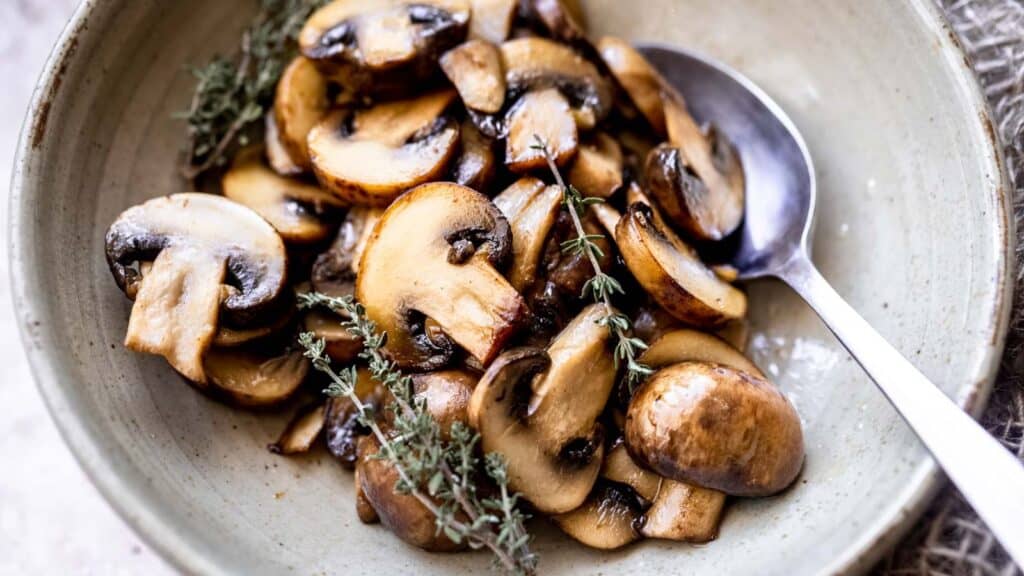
point(774, 242)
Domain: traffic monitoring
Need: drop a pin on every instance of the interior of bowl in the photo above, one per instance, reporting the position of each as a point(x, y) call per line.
point(912, 229)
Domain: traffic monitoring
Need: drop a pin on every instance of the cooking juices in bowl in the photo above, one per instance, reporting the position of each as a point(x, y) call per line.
point(475, 230)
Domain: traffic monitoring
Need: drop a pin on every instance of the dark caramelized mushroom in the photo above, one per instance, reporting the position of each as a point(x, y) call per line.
point(716, 427)
point(383, 47)
point(197, 243)
point(334, 271)
point(476, 164)
point(433, 255)
point(342, 428)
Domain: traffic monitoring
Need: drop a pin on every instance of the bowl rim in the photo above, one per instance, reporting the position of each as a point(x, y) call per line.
point(132, 504)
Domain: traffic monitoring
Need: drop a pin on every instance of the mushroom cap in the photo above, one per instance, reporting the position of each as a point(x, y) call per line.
point(433, 256)
point(716, 427)
point(371, 156)
point(229, 232)
point(672, 273)
point(342, 429)
point(686, 345)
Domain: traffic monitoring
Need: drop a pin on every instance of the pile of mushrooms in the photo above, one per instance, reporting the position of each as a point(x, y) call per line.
point(400, 167)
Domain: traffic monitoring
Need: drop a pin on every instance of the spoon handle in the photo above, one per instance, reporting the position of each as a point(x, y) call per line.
point(988, 475)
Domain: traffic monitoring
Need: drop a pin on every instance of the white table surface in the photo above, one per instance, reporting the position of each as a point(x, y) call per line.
point(52, 520)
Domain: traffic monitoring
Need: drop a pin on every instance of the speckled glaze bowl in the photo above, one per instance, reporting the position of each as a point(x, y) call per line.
point(913, 229)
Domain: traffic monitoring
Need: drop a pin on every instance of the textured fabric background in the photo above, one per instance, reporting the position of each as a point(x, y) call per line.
point(951, 540)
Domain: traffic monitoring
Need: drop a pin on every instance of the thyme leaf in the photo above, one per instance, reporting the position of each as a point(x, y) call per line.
point(442, 474)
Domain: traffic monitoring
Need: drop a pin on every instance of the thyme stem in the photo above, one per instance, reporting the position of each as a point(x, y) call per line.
point(601, 286)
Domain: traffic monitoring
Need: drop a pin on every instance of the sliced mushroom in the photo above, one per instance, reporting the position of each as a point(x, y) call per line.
point(716, 427)
point(698, 183)
point(340, 344)
point(597, 170)
point(277, 155)
point(299, 104)
point(296, 209)
point(334, 271)
point(672, 273)
point(544, 115)
point(619, 467)
point(302, 432)
point(342, 427)
point(371, 156)
point(433, 255)
point(561, 19)
point(475, 69)
point(651, 322)
point(736, 333)
point(228, 337)
point(531, 208)
point(539, 411)
point(638, 77)
point(365, 511)
point(447, 395)
point(684, 513)
point(402, 514)
point(255, 378)
point(533, 64)
point(685, 345)
point(492, 19)
point(197, 243)
point(383, 47)
point(607, 520)
point(476, 164)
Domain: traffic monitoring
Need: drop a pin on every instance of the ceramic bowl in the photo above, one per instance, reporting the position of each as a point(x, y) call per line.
point(913, 229)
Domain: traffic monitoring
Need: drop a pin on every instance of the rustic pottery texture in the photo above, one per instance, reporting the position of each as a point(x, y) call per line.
point(913, 230)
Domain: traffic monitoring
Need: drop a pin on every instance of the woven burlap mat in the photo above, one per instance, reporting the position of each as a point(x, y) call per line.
point(950, 539)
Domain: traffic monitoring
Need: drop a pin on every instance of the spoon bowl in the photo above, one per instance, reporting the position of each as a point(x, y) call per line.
point(773, 241)
point(781, 187)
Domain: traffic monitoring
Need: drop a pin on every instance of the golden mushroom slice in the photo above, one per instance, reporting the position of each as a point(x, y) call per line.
point(199, 244)
point(619, 467)
point(299, 104)
point(717, 427)
point(296, 209)
point(475, 69)
point(597, 170)
point(607, 520)
point(277, 155)
point(255, 378)
point(638, 77)
point(685, 345)
point(535, 63)
point(301, 432)
point(228, 337)
point(370, 157)
point(684, 513)
point(562, 19)
point(383, 47)
point(492, 19)
point(539, 410)
point(531, 208)
point(546, 115)
point(446, 394)
point(433, 255)
point(672, 273)
point(476, 164)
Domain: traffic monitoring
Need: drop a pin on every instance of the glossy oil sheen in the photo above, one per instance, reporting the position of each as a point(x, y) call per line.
point(912, 229)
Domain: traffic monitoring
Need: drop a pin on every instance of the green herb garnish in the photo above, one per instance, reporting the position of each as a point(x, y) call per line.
point(442, 474)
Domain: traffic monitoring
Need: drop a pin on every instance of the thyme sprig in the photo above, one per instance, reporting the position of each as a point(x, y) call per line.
point(233, 93)
point(601, 287)
point(441, 473)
